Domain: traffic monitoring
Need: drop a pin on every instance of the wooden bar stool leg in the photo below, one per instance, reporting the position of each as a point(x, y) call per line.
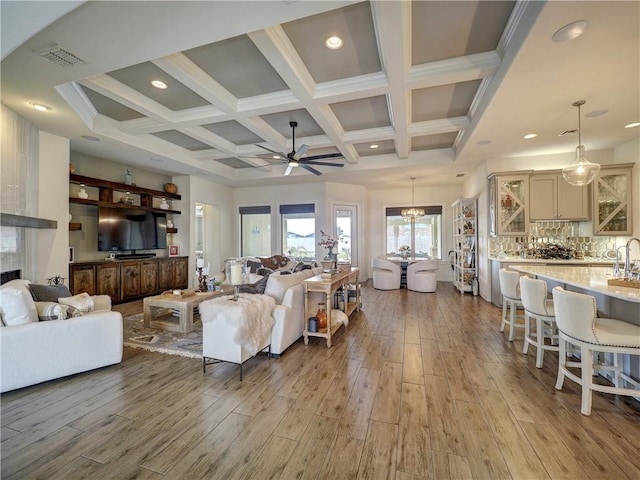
point(586, 356)
point(527, 333)
point(539, 342)
point(512, 321)
point(504, 314)
point(562, 362)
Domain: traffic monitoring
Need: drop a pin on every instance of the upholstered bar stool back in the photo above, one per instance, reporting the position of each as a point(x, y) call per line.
point(386, 274)
point(510, 289)
point(537, 305)
point(579, 325)
point(421, 276)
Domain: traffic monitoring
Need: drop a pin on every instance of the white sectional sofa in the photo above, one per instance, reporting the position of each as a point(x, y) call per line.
point(289, 314)
point(38, 351)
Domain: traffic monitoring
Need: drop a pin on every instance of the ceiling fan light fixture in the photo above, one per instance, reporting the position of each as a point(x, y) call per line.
point(293, 163)
point(412, 213)
point(581, 171)
point(334, 43)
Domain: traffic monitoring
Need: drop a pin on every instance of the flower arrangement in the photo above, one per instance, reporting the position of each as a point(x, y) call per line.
point(327, 241)
point(405, 249)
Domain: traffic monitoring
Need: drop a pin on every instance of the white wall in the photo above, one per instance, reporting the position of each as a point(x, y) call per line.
point(53, 204)
point(379, 200)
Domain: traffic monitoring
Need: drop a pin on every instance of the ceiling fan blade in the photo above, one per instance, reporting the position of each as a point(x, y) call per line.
point(311, 169)
point(301, 151)
point(288, 170)
point(327, 155)
point(272, 151)
point(304, 161)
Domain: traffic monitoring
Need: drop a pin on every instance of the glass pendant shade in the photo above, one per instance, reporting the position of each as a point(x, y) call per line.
point(412, 213)
point(581, 171)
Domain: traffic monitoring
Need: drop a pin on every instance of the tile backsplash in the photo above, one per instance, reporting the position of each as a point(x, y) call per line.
point(568, 234)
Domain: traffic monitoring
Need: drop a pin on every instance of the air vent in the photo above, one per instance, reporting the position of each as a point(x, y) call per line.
point(573, 131)
point(60, 56)
point(459, 175)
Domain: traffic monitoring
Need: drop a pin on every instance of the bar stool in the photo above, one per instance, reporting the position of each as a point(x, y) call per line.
point(537, 305)
point(578, 325)
point(510, 289)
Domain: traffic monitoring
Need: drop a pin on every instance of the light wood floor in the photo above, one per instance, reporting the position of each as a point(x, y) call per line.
point(418, 386)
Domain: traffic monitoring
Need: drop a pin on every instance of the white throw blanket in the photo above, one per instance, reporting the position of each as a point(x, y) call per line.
point(252, 315)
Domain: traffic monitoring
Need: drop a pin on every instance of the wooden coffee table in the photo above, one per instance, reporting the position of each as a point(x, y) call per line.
point(158, 310)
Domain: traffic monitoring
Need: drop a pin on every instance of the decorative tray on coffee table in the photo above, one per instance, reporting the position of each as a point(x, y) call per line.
point(182, 294)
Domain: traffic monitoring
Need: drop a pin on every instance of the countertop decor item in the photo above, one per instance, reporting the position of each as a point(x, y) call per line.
point(171, 188)
point(164, 205)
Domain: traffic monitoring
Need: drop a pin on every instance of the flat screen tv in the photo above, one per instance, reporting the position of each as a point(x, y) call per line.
point(131, 229)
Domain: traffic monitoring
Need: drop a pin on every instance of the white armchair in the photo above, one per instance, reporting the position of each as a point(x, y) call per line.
point(386, 274)
point(421, 276)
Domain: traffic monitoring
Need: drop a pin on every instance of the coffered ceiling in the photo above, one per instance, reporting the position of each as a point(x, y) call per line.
point(438, 87)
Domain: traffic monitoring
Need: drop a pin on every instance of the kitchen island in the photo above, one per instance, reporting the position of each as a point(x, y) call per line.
point(621, 303)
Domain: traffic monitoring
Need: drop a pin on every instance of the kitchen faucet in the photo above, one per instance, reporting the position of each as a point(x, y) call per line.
point(627, 261)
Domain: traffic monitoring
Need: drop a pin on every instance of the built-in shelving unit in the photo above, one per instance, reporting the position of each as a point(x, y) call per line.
point(105, 198)
point(465, 236)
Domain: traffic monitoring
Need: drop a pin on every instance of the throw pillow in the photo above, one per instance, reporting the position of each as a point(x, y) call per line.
point(73, 312)
point(48, 293)
point(14, 307)
point(22, 285)
point(51, 311)
point(255, 288)
point(254, 265)
point(82, 302)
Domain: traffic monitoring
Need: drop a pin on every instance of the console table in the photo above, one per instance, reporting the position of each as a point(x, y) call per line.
point(329, 286)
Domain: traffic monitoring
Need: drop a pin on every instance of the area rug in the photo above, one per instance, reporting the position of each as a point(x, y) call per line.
point(163, 341)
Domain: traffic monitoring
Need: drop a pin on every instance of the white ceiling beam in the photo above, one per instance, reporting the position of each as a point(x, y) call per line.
point(182, 119)
point(370, 135)
point(119, 92)
point(354, 88)
point(453, 70)
point(279, 51)
point(392, 22)
point(433, 127)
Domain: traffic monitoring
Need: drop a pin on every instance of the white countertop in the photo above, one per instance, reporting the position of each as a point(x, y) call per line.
point(575, 261)
point(589, 278)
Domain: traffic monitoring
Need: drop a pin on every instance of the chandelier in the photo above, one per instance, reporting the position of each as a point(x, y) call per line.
point(581, 171)
point(412, 213)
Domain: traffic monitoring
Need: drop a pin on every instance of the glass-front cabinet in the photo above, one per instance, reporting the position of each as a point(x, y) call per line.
point(612, 201)
point(508, 204)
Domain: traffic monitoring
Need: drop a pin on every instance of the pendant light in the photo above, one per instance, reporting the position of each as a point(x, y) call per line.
point(581, 171)
point(412, 213)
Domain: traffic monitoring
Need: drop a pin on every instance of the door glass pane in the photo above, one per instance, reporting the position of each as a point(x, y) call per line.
point(256, 234)
point(299, 235)
point(612, 195)
point(343, 228)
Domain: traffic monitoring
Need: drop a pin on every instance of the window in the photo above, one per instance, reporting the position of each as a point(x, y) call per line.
point(299, 231)
point(346, 221)
point(423, 235)
point(255, 231)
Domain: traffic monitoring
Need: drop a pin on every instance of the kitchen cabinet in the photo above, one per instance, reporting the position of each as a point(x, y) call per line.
point(509, 204)
point(464, 243)
point(552, 198)
point(612, 201)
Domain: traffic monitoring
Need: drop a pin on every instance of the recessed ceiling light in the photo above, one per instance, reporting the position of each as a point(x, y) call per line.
point(91, 138)
point(159, 84)
point(374, 145)
point(632, 125)
point(530, 135)
point(334, 43)
point(40, 107)
point(571, 31)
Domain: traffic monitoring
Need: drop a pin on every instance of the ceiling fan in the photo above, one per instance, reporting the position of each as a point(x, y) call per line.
point(295, 158)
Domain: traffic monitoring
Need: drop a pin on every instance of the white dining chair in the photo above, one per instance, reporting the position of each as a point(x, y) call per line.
point(579, 325)
point(536, 305)
point(421, 276)
point(511, 301)
point(386, 274)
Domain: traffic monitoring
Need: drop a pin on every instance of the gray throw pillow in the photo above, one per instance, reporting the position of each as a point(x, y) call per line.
point(255, 288)
point(48, 293)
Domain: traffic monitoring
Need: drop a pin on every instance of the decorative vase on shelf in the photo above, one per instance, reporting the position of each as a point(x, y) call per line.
point(171, 188)
point(164, 205)
point(322, 318)
point(83, 194)
point(128, 178)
